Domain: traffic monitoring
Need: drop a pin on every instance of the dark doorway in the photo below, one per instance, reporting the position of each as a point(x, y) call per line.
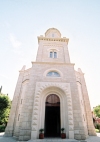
point(52, 116)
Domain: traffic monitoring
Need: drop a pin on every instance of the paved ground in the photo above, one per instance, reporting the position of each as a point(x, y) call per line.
point(6, 139)
point(94, 138)
point(89, 139)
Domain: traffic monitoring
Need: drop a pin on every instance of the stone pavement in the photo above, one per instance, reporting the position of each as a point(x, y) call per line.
point(54, 140)
point(89, 139)
point(6, 139)
point(94, 138)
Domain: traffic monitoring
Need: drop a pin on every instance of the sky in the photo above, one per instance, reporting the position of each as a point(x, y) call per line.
point(21, 21)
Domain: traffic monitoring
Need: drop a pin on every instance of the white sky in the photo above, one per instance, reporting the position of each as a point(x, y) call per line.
point(21, 21)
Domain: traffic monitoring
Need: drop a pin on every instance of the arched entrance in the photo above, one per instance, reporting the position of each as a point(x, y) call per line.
point(52, 116)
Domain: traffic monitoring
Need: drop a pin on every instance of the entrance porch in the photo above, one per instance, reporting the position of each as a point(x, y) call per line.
point(52, 113)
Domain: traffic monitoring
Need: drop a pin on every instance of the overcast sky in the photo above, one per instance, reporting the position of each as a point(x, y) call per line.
point(21, 21)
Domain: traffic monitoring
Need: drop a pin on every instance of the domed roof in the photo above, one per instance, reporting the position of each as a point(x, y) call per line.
point(53, 33)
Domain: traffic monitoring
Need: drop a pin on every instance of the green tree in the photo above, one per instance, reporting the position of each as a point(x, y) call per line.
point(97, 111)
point(0, 89)
point(5, 105)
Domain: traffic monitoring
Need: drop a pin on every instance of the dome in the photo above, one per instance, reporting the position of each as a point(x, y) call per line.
point(52, 33)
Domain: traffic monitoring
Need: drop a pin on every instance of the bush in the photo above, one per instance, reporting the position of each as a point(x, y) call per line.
point(5, 105)
point(97, 126)
point(97, 130)
point(2, 128)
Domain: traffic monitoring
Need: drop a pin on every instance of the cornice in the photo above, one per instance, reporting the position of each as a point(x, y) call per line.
point(53, 39)
point(71, 64)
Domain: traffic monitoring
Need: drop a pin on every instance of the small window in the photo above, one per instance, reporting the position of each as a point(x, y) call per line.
point(55, 54)
point(53, 74)
point(51, 54)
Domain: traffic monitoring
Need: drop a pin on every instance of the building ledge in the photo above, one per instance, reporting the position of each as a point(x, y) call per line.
point(72, 64)
point(53, 39)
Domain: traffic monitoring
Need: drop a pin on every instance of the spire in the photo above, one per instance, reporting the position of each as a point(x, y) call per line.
point(23, 68)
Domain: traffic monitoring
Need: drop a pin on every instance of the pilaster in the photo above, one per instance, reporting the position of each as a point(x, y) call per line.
point(10, 126)
point(90, 126)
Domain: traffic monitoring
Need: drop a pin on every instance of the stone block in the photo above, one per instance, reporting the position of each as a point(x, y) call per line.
point(33, 134)
point(23, 125)
point(21, 138)
point(28, 125)
point(71, 134)
point(81, 131)
point(76, 131)
point(83, 137)
point(77, 137)
point(22, 132)
point(26, 138)
point(28, 132)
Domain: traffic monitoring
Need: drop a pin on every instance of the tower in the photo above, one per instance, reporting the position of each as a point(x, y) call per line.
point(51, 95)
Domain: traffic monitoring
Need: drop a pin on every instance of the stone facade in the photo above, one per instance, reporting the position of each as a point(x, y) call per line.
point(52, 73)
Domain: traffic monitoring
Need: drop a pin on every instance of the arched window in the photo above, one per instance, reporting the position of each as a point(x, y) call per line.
point(52, 100)
point(53, 74)
point(53, 54)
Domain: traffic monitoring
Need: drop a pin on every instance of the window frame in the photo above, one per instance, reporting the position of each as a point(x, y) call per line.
point(53, 74)
point(53, 54)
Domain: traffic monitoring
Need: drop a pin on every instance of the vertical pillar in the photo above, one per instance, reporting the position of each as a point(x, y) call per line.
point(79, 129)
point(27, 108)
point(90, 126)
point(10, 126)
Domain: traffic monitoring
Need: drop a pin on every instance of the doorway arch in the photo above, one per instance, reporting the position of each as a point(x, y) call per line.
point(52, 116)
point(42, 92)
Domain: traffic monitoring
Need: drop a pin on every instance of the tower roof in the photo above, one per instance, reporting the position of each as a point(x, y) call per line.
point(53, 32)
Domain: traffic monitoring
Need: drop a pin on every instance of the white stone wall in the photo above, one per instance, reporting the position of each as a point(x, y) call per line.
point(90, 126)
point(23, 93)
point(43, 89)
point(48, 43)
point(85, 103)
point(11, 122)
point(33, 86)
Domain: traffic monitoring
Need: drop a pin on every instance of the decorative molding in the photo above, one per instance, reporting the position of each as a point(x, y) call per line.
point(53, 69)
point(44, 85)
point(35, 108)
point(70, 64)
point(41, 87)
point(53, 39)
point(34, 123)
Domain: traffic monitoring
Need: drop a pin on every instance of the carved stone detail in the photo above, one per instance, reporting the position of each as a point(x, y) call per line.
point(34, 123)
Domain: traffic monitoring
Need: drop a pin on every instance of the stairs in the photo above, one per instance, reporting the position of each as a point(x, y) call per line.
point(56, 140)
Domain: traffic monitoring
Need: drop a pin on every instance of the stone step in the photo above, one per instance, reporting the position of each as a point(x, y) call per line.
point(56, 140)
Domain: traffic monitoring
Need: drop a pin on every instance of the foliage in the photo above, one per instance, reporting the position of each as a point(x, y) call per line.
point(62, 129)
point(2, 128)
point(41, 130)
point(0, 89)
point(97, 111)
point(5, 105)
point(97, 126)
point(97, 130)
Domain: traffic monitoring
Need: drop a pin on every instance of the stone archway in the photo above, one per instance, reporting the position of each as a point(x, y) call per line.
point(52, 116)
point(62, 90)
